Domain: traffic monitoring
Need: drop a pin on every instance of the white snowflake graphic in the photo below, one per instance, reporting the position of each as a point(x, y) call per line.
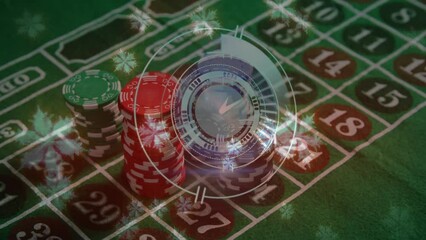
point(135, 209)
point(48, 153)
point(51, 188)
point(124, 61)
point(30, 25)
point(399, 223)
point(234, 147)
point(313, 141)
point(287, 211)
point(161, 211)
point(204, 22)
point(281, 11)
point(228, 164)
point(140, 20)
point(302, 22)
point(326, 233)
point(154, 133)
point(184, 204)
point(278, 8)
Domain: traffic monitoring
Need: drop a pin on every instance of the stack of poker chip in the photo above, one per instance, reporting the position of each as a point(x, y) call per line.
point(247, 177)
point(92, 98)
point(153, 125)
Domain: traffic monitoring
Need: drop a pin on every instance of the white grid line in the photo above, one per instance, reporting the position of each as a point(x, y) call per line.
point(229, 201)
point(366, 144)
point(329, 170)
point(56, 62)
point(45, 200)
point(290, 177)
point(67, 35)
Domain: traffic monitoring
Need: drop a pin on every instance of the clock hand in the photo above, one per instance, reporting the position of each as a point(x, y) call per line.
point(225, 108)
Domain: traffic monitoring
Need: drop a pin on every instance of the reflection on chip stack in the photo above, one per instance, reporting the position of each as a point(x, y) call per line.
point(92, 98)
point(247, 177)
point(154, 127)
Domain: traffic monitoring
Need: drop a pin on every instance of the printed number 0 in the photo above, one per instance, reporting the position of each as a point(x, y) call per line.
point(40, 231)
point(107, 213)
point(206, 211)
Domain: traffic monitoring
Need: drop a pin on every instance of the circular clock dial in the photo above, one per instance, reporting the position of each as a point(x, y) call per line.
point(223, 108)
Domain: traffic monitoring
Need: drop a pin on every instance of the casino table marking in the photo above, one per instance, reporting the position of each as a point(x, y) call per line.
point(350, 155)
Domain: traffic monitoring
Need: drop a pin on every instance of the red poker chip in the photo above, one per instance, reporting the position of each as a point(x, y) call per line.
point(151, 172)
point(158, 158)
point(158, 191)
point(154, 95)
point(150, 138)
point(163, 130)
point(129, 118)
point(147, 165)
point(163, 152)
point(157, 181)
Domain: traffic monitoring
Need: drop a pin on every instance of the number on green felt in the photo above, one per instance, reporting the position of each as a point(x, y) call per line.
point(322, 12)
point(414, 69)
point(368, 39)
point(403, 16)
point(203, 213)
point(40, 231)
point(281, 34)
point(300, 88)
point(334, 68)
point(350, 125)
point(370, 44)
point(298, 145)
point(7, 132)
point(383, 95)
point(107, 212)
point(389, 100)
point(261, 192)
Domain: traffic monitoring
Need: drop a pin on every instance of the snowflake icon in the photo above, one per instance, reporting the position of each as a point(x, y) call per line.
point(161, 211)
point(286, 211)
point(228, 164)
point(326, 233)
point(234, 147)
point(48, 153)
point(53, 187)
point(140, 20)
point(302, 22)
point(135, 208)
point(278, 8)
point(204, 22)
point(184, 204)
point(30, 24)
point(124, 61)
point(154, 133)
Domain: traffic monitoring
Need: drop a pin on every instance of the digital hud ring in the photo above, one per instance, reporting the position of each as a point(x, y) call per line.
point(226, 109)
